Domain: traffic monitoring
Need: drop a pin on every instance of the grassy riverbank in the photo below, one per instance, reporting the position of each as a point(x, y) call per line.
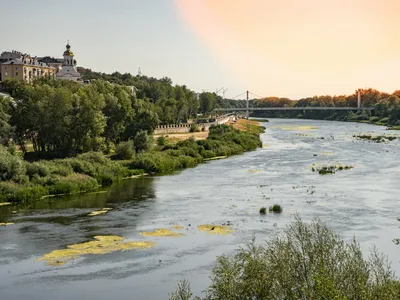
point(23, 181)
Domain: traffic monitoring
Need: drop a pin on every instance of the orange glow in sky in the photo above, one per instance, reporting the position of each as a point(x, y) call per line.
point(301, 48)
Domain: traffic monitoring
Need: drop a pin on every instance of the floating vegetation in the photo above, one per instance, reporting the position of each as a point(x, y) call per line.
point(255, 171)
point(101, 245)
point(215, 229)
point(263, 210)
point(178, 227)
point(6, 224)
point(99, 212)
point(276, 208)
point(298, 127)
point(375, 138)
point(305, 134)
point(328, 153)
point(215, 158)
point(5, 203)
point(161, 232)
point(331, 169)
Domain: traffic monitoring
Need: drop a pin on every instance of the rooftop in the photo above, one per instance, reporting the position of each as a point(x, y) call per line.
point(19, 61)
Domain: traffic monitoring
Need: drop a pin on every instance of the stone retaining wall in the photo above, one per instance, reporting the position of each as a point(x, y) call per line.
point(184, 128)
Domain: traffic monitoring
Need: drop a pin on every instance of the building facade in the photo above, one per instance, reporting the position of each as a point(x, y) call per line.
point(68, 70)
point(26, 69)
point(56, 63)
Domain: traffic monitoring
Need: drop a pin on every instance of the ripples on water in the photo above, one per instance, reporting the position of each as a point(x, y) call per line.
point(361, 202)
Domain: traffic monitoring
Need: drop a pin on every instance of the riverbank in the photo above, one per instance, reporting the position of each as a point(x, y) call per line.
point(390, 122)
point(24, 181)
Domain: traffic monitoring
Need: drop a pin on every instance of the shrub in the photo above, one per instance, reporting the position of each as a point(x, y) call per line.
point(263, 210)
point(71, 184)
point(309, 261)
point(142, 141)
point(275, 209)
point(125, 150)
point(161, 141)
point(194, 128)
point(14, 192)
point(11, 166)
point(93, 157)
point(37, 168)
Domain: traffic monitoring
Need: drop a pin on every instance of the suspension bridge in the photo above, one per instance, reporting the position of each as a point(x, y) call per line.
point(248, 109)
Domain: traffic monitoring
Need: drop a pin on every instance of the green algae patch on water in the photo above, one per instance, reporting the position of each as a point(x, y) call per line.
point(5, 203)
point(161, 232)
point(101, 245)
point(178, 227)
point(216, 158)
point(6, 224)
point(215, 229)
point(254, 171)
point(296, 127)
point(99, 212)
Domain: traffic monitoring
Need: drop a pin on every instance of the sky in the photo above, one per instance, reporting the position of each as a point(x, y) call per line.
point(286, 48)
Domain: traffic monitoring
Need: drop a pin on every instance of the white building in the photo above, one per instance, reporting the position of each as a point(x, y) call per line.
point(68, 70)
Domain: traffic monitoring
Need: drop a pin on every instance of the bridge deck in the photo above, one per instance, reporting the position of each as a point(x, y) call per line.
point(292, 108)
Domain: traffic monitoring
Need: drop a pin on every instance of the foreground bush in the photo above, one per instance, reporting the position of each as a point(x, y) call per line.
point(125, 150)
point(309, 261)
point(11, 167)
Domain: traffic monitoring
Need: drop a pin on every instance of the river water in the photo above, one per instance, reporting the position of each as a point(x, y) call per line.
point(361, 202)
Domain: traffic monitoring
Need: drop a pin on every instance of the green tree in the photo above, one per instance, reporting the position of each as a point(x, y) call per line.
point(207, 102)
point(6, 130)
point(142, 141)
point(309, 261)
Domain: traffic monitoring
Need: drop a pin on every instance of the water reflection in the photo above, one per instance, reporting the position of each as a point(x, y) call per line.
point(132, 191)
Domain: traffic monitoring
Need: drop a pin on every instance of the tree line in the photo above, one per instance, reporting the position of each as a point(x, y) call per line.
point(387, 107)
point(66, 118)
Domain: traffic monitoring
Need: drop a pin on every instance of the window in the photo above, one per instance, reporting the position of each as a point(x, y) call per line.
point(16, 73)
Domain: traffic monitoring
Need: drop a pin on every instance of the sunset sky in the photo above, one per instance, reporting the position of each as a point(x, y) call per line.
point(281, 48)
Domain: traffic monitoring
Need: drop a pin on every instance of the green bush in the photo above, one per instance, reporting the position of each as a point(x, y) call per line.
point(71, 184)
point(161, 141)
point(13, 192)
point(93, 157)
point(125, 150)
point(11, 166)
point(263, 210)
point(37, 168)
point(275, 209)
point(142, 141)
point(309, 261)
point(194, 128)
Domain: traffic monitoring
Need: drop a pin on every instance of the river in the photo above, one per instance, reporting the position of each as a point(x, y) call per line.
point(361, 202)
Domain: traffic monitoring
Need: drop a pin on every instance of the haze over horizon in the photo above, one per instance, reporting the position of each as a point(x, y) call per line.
point(287, 49)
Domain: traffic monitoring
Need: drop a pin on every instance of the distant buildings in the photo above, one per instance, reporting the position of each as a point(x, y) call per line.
point(15, 65)
point(24, 67)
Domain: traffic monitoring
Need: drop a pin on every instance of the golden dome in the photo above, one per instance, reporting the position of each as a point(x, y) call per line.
point(68, 52)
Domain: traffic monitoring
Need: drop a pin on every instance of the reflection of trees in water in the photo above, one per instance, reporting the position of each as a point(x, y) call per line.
point(57, 223)
point(129, 190)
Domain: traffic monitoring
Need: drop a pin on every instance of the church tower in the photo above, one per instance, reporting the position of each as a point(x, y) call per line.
point(68, 70)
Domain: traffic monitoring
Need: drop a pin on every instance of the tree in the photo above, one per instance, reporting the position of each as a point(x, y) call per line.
point(6, 130)
point(309, 261)
point(142, 141)
point(207, 102)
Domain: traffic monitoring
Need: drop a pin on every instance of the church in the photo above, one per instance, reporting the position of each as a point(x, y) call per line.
point(68, 70)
